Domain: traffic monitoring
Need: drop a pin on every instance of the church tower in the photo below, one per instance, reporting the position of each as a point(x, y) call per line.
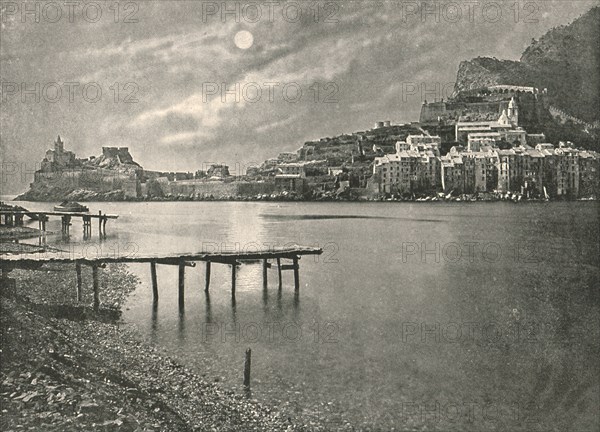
point(59, 146)
point(504, 120)
point(513, 112)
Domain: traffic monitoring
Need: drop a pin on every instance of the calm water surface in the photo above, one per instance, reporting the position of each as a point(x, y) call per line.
point(481, 316)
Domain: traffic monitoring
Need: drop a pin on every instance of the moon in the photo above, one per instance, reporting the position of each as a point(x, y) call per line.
point(243, 39)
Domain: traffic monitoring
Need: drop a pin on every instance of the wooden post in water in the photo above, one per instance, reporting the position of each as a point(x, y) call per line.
point(85, 227)
point(65, 224)
point(247, 366)
point(181, 284)
point(265, 281)
point(233, 269)
point(296, 274)
point(279, 271)
point(79, 290)
point(154, 281)
point(207, 277)
point(96, 287)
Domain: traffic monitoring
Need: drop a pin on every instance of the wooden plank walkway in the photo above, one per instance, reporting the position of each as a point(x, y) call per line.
point(57, 213)
point(182, 260)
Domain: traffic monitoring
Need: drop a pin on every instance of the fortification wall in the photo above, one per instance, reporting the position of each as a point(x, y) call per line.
point(453, 110)
point(97, 180)
point(563, 116)
point(217, 189)
point(531, 107)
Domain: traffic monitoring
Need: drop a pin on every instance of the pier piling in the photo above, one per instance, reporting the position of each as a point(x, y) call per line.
point(96, 287)
point(296, 274)
point(265, 267)
point(87, 226)
point(247, 367)
point(181, 284)
point(154, 281)
point(207, 277)
point(233, 270)
point(279, 272)
point(79, 289)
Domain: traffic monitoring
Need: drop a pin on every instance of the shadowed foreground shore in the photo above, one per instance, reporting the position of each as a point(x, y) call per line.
point(65, 368)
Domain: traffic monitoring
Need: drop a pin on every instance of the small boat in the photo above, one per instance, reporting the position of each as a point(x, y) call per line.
point(71, 206)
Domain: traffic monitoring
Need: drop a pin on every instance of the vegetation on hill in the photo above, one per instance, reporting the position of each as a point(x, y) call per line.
point(565, 61)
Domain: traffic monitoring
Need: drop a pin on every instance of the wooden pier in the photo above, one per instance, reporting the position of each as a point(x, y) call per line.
point(267, 257)
point(15, 217)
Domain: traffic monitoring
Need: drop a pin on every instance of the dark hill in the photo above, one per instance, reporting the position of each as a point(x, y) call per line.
point(566, 61)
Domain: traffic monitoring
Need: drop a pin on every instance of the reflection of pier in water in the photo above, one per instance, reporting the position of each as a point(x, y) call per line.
point(268, 258)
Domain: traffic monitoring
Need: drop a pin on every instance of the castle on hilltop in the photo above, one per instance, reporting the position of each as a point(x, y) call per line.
point(114, 170)
point(486, 104)
point(58, 159)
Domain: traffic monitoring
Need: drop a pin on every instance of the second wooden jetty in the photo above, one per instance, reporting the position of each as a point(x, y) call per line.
point(15, 217)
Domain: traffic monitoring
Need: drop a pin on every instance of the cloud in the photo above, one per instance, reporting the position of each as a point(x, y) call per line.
point(274, 125)
point(183, 136)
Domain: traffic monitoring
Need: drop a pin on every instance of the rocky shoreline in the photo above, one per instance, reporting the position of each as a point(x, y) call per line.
point(53, 195)
point(18, 232)
point(291, 197)
point(66, 368)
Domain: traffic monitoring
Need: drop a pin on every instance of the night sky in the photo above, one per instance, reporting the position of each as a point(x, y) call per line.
point(161, 68)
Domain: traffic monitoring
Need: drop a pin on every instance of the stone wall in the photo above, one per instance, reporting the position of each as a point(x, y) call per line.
point(97, 180)
point(216, 189)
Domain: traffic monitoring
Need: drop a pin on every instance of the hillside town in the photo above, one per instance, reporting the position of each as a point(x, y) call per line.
point(491, 156)
point(474, 147)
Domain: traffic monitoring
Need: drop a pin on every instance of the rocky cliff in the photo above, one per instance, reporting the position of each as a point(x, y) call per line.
point(113, 176)
point(566, 61)
point(485, 72)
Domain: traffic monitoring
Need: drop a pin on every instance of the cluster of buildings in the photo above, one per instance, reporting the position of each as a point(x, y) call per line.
point(492, 156)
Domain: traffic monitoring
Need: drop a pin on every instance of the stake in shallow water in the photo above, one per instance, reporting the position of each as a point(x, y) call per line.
point(247, 365)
